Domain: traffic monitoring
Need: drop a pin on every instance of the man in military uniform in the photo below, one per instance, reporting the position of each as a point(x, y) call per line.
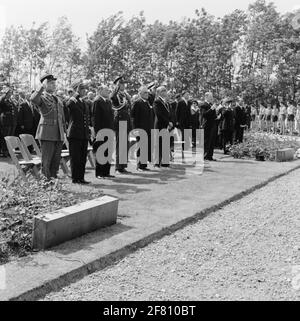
point(122, 107)
point(51, 128)
point(8, 118)
point(227, 124)
point(78, 132)
point(208, 122)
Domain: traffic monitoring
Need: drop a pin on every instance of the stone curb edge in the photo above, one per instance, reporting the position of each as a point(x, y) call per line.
point(114, 257)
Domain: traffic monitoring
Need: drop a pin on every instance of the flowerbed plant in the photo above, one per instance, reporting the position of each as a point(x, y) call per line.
point(262, 146)
point(21, 201)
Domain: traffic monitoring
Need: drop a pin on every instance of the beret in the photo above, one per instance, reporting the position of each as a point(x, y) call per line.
point(47, 76)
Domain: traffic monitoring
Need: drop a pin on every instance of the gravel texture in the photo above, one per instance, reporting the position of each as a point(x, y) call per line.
point(249, 250)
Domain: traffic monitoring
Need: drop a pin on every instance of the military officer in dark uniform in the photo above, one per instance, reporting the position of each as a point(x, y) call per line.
point(8, 118)
point(227, 124)
point(122, 108)
point(103, 118)
point(142, 119)
point(208, 122)
point(78, 132)
point(51, 128)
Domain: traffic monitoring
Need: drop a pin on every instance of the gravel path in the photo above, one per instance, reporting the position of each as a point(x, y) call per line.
point(249, 250)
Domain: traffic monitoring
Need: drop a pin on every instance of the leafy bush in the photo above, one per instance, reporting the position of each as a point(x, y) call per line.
point(260, 145)
point(21, 201)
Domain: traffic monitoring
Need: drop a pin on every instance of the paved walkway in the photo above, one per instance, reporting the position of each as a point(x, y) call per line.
point(151, 205)
point(248, 250)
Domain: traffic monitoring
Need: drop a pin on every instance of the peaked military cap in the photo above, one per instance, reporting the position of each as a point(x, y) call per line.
point(47, 76)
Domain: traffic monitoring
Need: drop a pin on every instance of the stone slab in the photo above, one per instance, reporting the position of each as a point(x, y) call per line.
point(285, 155)
point(68, 223)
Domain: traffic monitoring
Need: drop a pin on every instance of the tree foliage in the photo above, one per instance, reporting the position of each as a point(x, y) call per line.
point(254, 53)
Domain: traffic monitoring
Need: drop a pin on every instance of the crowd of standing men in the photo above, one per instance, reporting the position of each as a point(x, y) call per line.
point(78, 115)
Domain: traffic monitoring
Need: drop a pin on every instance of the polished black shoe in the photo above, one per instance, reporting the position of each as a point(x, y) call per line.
point(122, 171)
point(74, 181)
point(84, 182)
point(109, 176)
point(144, 169)
point(101, 177)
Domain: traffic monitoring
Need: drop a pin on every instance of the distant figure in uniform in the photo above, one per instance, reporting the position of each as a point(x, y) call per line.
point(209, 123)
point(183, 115)
point(25, 117)
point(51, 128)
point(227, 124)
point(142, 119)
point(78, 132)
point(8, 118)
point(103, 118)
point(240, 121)
point(122, 108)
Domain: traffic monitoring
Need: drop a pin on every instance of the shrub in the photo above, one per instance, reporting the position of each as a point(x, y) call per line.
point(258, 146)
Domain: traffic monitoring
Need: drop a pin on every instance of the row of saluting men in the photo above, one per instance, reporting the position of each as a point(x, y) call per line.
point(151, 109)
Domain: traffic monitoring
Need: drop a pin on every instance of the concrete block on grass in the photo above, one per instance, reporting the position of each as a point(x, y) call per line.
point(285, 155)
point(68, 223)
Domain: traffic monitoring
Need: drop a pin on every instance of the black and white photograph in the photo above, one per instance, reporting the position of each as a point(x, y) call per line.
point(149, 154)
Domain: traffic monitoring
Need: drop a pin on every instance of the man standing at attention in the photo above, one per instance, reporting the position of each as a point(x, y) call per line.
point(78, 132)
point(51, 128)
point(209, 116)
point(141, 115)
point(103, 118)
point(162, 121)
point(121, 103)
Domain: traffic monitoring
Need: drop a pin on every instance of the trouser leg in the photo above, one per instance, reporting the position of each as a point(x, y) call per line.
point(118, 165)
point(47, 149)
point(84, 153)
point(102, 169)
point(6, 131)
point(211, 141)
point(75, 150)
point(54, 167)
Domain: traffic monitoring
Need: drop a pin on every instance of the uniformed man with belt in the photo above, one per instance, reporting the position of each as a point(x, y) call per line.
point(78, 132)
point(51, 128)
point(122, 108)
point(8, 117)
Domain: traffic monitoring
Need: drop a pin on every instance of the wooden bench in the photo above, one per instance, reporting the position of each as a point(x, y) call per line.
point(28, 140)
point(20, 157)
